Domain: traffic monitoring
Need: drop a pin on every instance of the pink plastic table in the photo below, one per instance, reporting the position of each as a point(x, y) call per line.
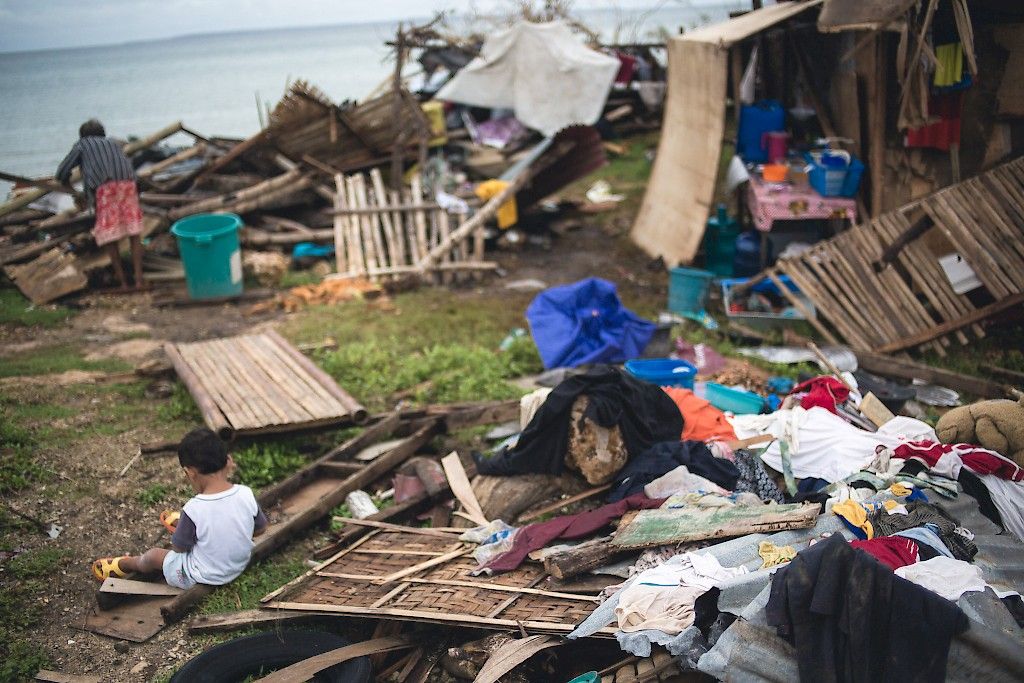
point(769, 202)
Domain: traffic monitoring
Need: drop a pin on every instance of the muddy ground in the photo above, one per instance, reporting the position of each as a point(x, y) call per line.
point(103, 513)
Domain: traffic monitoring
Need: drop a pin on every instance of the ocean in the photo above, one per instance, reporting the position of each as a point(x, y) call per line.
point(212, 82)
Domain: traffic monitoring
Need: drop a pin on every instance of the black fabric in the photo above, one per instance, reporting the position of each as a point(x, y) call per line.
point(919, 513)
point(643, 412)
point(664, 457)
point(976, 487)
point(1015, 606)
point(851, 619)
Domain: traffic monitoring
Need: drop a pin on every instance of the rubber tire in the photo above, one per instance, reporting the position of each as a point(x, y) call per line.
point(236, 659)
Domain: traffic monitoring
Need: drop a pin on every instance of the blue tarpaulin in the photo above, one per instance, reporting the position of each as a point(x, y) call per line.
point(586, 323)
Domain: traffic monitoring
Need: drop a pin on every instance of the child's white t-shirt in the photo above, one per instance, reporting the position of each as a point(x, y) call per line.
point(215, 531)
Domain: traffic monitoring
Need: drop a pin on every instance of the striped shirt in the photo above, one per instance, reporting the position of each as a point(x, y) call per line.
point(101, 160)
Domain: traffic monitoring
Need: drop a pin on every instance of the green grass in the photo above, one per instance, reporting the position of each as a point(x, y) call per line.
point(180, 406)
point(18, 466)
point(297, 278)
point(24, 576)
point(54, 359)
point(153, 494)
point(15, 309)
point(264, 462)
point(256, 581)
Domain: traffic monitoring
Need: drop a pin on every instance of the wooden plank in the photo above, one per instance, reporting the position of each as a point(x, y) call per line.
point(458, 550)
point(461, 488)
point(904, 369)
point(58, 677)
point(390, 594)
point(558, 505)
point(434, 617)
point(649, 528)
point(306, 669)
point(479, 585)
point(130, 587)
point(248, 618)
point(944, 328)
point(396, 527)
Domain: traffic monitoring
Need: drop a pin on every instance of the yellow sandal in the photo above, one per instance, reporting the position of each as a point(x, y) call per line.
point(105, 567)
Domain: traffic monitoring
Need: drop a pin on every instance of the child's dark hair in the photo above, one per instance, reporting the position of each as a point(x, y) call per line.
point(204, 450)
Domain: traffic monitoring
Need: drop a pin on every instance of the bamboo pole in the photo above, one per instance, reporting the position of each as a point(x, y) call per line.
point(212, 415)
point(253, 191)
point(340, 253)
point(183, 155)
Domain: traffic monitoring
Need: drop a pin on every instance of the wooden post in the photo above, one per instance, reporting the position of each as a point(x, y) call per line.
point(876, 125)
point(396, 111)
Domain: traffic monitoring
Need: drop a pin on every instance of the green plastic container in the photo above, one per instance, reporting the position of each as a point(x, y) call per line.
point(733, 400)
point(688, 289)
point(208, 244)
point(720, 235)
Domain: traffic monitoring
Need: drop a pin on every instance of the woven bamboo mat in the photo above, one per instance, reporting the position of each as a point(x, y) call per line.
point(353, 583)
point(260, 383)
point(887, 307)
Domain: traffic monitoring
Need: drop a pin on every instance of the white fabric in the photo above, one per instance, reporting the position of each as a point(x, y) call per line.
point(542, 72)
point(175, 572)
point(822, 444)
point(1008, 497)
point(530, 404)
point(224, 526)
point(943, 575)
point(748, 79)
point(679, 481)
point(662, 597)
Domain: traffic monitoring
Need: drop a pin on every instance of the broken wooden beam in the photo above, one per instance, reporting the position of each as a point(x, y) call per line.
point(904, 369)
point(939, 330)
point(570, 563)
point(247, 618)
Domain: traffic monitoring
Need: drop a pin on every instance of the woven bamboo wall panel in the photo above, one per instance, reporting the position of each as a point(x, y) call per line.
point(874, 305)
point(352, 584)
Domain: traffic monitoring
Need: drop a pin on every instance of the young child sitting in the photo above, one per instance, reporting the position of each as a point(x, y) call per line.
point(213, 539)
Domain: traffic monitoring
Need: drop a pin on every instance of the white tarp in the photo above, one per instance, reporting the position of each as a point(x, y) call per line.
point(542, 72)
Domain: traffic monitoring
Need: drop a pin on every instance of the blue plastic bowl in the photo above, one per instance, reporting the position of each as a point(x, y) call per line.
point(664, 372)
point(733, 400)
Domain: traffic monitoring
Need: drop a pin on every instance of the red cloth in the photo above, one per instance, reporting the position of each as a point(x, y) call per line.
point(975, 458)
point(567, 528)
point(824, 392)
point(892, 551)
point(701, 420)
point(944, 132)
point(627, 65)
point(117, 211)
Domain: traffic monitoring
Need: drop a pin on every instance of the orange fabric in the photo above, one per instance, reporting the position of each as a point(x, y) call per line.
point(701, 420)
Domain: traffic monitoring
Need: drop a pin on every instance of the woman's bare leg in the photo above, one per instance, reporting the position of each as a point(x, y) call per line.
point(150, 561)
point(115, 261)
point(136, 243)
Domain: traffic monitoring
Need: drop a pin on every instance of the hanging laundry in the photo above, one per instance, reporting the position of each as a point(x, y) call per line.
point(903, 631)
point(945, 132)
point(701, 420)
point(892, 551)
point(949, 70)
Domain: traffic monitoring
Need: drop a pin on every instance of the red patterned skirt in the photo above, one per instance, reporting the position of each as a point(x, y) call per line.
point(117, 211)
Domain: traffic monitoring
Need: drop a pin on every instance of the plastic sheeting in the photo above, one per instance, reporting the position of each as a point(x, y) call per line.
point(585, 322)
point(542, 72)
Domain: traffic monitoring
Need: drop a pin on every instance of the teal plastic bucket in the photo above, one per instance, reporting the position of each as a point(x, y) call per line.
point(688, 289)
point(208, 244)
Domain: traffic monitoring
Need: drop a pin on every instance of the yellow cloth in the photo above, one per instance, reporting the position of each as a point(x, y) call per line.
point(890, 505)
point(950, 69)
point(507, 214)
point(774, 554)
point(854, 513)
point(900, 490)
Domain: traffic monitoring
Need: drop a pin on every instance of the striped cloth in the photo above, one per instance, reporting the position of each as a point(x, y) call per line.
point(101, 160)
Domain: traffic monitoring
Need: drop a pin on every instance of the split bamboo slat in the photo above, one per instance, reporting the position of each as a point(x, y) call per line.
point(390, 234)
point(910, 300)
point(260, 383)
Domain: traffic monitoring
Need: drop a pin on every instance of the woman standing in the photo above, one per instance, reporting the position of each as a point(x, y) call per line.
point(110, 187)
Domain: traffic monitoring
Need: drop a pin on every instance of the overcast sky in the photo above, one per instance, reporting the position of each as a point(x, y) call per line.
point(42, 24)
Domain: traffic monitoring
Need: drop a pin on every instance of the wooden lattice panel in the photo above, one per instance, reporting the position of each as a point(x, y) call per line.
point(353, 582)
